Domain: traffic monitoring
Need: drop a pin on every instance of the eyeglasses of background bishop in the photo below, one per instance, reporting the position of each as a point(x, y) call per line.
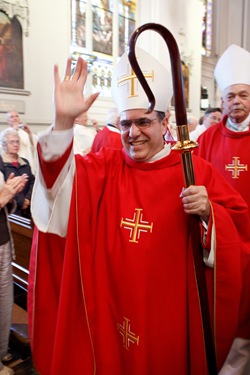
point(141, 123)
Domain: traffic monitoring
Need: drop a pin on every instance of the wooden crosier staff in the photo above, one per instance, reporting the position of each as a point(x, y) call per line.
point(185, 147)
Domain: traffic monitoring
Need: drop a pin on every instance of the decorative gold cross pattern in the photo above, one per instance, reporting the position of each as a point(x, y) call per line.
point(136, 226)
point(132, 77)
point(236, 167)
point(128, 336)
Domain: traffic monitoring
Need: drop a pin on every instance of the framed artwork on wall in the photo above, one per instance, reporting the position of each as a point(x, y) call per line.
point(11, 52)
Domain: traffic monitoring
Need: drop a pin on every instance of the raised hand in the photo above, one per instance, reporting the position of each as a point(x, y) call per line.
point(25, 127)
point(69, 100)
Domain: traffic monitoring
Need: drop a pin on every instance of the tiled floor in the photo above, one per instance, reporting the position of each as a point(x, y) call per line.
point(22, 367)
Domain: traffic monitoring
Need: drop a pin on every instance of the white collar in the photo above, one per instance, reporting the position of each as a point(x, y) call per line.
point(113, 129)
point(161, 154)
point(240, 127)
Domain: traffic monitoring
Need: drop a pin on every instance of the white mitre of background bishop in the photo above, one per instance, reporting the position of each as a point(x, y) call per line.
point(128, 93)
point(233, 67)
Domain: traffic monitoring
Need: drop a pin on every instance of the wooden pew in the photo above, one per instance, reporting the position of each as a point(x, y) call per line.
point(22, 231)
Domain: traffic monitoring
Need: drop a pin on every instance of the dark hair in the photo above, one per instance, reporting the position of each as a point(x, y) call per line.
point(160, 115)
point(212, 110)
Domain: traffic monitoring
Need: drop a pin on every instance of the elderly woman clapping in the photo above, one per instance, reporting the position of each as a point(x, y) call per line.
point(12, 162)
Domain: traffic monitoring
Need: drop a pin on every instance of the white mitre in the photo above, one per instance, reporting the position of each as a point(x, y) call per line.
point(233, 67)
point(128, 93)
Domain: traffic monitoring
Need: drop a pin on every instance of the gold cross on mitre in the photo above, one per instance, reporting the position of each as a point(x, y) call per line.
point(236, 167)
point(132, 79)
point(127, 335)
point(136, 225)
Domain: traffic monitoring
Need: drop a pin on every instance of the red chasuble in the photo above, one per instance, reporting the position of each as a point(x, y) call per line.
point(118, 296)
point(229, 152)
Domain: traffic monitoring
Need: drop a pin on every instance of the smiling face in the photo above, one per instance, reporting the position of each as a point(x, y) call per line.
point(236, 102)
point(143, 144)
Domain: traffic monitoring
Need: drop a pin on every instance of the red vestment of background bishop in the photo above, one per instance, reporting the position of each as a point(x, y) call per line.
point(106, 138)
point(229, 152)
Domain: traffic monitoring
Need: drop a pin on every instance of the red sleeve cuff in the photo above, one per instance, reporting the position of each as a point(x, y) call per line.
point(51, 169)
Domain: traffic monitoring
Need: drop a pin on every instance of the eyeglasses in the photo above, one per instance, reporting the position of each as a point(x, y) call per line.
point(12, 142)
point(214, 118)
point(140, 123)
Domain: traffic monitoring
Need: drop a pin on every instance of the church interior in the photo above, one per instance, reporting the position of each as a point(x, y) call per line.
point(50, 32)
point(36, 35)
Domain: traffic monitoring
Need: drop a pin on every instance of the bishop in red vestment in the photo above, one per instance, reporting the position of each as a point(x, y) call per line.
point(112, 286)
point(226, 146)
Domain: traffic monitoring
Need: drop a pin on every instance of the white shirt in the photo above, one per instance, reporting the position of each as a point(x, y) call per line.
point(27, 150)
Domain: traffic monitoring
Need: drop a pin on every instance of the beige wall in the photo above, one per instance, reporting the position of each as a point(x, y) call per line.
point(183, 19)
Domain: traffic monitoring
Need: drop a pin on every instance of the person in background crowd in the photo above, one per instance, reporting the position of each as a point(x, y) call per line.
point(123, 297)
point(8, 190)
point(211, 117)
point(192, 122)
point(110, 135)
point(83, 134)
point(28, 140)
point(170, 135)
point(12, 163)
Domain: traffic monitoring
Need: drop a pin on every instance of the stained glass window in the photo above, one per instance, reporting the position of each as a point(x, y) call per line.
point(207, 27)
point(78, 22)
point(126, 23)
point(100, 30)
